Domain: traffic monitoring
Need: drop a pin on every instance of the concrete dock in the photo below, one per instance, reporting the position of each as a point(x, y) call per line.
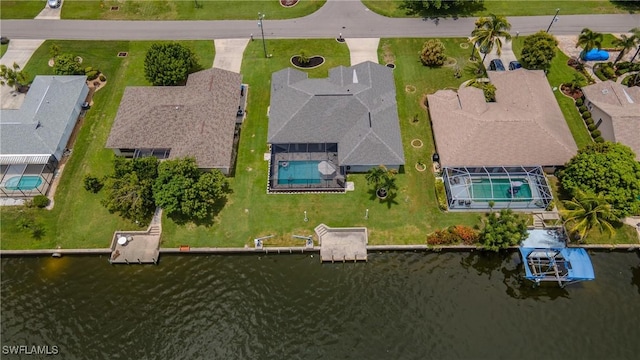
point(342, 244)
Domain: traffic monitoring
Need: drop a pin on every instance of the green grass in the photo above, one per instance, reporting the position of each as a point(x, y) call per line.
point(391, 8)
point(185, 10)
point(251, 213)
point(607, 41)
point(78, 220)
point(20, 9)
point(3, 49)
point(560, 73)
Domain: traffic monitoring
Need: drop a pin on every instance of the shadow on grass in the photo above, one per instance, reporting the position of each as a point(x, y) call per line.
point(390, 200)
point(207, 221)
point(631, 7)
point(466, 10)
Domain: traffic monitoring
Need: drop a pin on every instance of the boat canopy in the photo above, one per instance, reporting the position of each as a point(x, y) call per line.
point(564, 265)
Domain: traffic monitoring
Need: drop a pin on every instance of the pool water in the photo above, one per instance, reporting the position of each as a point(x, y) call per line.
point(482, 190)
point(23, 183)
point(298, 172)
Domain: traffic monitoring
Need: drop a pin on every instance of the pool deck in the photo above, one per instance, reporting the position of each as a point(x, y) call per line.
point(333, 183)
point(342, 244)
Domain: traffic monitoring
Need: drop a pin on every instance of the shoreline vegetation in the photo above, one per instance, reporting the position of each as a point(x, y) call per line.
point(79, 221)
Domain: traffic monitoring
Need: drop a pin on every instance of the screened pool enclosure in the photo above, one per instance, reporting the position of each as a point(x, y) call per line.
point(513, 187)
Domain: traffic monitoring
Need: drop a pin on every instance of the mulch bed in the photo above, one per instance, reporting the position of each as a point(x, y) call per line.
point(568, 92)
point(314, 61)
point(288, 3)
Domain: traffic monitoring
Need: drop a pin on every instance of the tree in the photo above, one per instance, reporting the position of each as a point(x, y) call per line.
point(66, 64)
point(589, 40)
point(54, 51)
point(577, 82)
point(169, 64)
point(488, 33)
point(182, 190)
point(432, 53)
point(539, 50)
point(626, 43)
point(636, 36)
point(303, 57)
point(129, 191)
point(587, 211)
point(383, 180)
point(500, 232)
point(13, 77)
point(434, 7)
point(608, 169)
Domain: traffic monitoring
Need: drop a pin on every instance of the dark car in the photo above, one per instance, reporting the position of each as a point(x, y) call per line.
point(54, 3)
point(514, 65)
point(496, 65)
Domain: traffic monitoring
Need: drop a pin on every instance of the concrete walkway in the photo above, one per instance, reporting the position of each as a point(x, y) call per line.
point(229, 54)
point(19, 51)
point(362, 50)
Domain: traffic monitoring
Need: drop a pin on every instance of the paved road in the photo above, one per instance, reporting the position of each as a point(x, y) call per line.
point(350, 18)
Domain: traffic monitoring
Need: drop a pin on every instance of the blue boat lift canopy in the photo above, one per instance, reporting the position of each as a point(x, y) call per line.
point(564, 265)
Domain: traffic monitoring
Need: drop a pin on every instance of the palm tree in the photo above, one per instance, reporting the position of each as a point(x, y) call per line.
point(13, 76)
point(626, 43)
point(489, 32)
point(588, 211)
point(636, 35)
point(589, 40)
point(382, 179)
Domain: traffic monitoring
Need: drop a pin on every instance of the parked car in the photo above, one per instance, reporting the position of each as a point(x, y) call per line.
point(54, 4)
point(496, 65)
point(514, 65)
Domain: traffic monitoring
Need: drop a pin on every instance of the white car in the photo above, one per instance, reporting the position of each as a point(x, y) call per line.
point(54, 4)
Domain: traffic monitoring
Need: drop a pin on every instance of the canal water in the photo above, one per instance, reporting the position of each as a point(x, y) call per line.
point(396, 306)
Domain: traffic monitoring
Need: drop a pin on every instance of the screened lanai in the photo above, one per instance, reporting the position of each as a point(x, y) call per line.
point(26, 176)
point(513, 187)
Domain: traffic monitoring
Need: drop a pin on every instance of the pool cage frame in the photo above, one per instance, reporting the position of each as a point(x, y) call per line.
point(459, 190)
point(11, 166)
point(291, 152)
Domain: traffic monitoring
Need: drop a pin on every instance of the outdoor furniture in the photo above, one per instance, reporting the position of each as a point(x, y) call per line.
point(122, 241)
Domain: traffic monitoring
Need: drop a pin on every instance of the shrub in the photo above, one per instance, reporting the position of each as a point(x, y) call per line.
point(609, 72)
point(88, 69)
point(168, 64)
point(579, 102)
point(103, 78)
point(441, 237)
point(441, 195)
point(432, 53)
point(591, 127)
point(623, 65)
point(582, 109)
point(588, 121)
point(586, 114)
point(595, 133)
point(40, 201)
point(599, 139)
point(4, 40)
point(600, 74)
point(66, 64)
point(92, 75)
point(467, 235)
point(92, 183)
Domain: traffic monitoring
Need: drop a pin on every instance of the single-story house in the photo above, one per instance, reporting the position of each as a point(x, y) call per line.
point(615, 109)
point(196, 120)
point(518, 135)
point(348, 121)
point(34, 137)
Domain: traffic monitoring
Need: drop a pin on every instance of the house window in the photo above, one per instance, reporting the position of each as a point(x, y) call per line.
point(598, 123)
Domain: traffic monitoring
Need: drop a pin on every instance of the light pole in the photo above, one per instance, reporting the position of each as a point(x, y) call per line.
point(264, 44)
point(555, 18)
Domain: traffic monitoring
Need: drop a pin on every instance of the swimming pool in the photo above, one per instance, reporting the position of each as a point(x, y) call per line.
point(23, 183)
point(298, 172)
point(481, 189)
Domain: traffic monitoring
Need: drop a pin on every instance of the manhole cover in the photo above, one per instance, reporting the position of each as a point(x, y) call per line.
point(391, 66)
point(115, 8)
point(123, 54)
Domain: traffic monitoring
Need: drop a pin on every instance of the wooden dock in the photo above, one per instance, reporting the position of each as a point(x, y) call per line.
point(342, 244)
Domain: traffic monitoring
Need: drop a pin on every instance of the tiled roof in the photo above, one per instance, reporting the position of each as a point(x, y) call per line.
point(525, 125)
point(354, 107)
point(197, 119)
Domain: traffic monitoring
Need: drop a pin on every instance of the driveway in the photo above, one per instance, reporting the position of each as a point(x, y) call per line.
point(50, 14)
point(506, 56)
point(19, 51)
point(361, 50)
point(229, 53)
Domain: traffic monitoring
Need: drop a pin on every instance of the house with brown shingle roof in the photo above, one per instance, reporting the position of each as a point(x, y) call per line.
point(523, 127)
point(196, 120)
point(615, 109)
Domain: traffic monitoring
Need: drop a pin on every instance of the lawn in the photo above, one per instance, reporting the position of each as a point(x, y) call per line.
point(252, 213)
point(3, 49)
point(391, 8)
point(20, 9)
point(185, 10)
point(78, 220)
point(560, 73)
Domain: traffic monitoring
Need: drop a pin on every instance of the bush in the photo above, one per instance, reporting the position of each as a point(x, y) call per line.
point(441, 195)
point(168, 64)
point(92, 75)
point(92, 183)
point(579, 102)
point(595, 133)
point(88, 69)
point(591, 127)
point(4, 40)
point(40, 201)
point(582, 109)
point(103, 78)
point(623, 65)
point(66, 64)
point(467, 235)
point(432, 53)
point(442, 237)
point(586, 114)
point(599, 139)
point(588, 121)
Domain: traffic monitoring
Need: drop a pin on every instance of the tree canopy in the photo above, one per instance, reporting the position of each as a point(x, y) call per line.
point(432, 53)
point(66, 64)
point(586, 211)
point(183, 191)
point(500, 232)
point(539, 50)
point(489, 32)
point(13, 76)
point(438, 7)
point(168, 64)
point(129, 191)
point(608, 169)
point(589, 40)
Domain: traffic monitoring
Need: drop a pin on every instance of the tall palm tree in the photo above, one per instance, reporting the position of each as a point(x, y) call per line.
point(588, 211)
point(489, 32)
point(589, 40)
point(636, 35)
point(626, 43)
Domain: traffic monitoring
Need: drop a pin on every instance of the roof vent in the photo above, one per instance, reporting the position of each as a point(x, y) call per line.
point(355, 77)
point(605, 91)
point(38, 125)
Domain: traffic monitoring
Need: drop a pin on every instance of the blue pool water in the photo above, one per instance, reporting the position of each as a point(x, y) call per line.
point(298, 172)
point(23, 183)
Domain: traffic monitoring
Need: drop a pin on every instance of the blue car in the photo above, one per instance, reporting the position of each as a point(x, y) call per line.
point(496, 65)
point(514, 65)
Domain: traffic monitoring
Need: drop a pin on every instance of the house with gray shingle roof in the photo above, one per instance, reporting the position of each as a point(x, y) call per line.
point(349, 119)
point(34, 137)
point(615, 109)
point(196, 120)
